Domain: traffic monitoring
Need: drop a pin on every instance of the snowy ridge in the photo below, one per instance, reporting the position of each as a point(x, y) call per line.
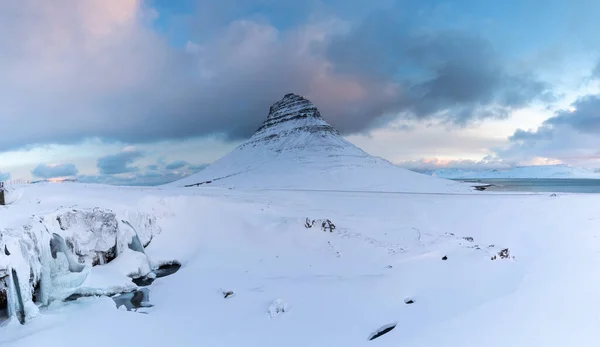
point(296, 149)
point(539, 171)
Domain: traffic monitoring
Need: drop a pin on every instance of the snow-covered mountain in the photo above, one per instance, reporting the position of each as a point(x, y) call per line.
point(539, 171)
point(295, 148)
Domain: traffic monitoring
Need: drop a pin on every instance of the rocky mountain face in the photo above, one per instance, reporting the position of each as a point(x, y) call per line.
point(294, 123)
point(291, 116)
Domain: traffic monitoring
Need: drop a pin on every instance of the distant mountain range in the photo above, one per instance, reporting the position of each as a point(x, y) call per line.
point(539, 171)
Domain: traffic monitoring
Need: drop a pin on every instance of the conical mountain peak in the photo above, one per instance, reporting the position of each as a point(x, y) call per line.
point(291, 105)
point(293, 122)
point(291, 108)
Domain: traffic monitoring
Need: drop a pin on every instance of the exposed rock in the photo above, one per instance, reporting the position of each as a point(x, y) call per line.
point(482, 187)
point(167, 269)
point(228, 293)
point(382, 331)
point(162, 271)
point(326, 224)
point(503, 254)
point(445, 257)
point(290, 116)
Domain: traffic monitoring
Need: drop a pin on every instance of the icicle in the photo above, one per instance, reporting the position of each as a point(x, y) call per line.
point(10, 299)
point(135, 244)
point(58, 244)
point(14, 298)
point(45, 276)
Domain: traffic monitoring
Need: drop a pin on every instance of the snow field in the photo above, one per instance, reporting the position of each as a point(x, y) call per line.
point(337, 288)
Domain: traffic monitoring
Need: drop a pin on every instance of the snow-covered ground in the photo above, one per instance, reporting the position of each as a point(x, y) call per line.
point(298, 286)
point(539, 171)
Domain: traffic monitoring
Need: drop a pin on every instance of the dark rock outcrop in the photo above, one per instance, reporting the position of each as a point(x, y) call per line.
point(382, 331)
point(291, 116)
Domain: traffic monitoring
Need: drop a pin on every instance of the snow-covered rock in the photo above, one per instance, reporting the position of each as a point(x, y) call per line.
point(277, 308)
point(295, 148)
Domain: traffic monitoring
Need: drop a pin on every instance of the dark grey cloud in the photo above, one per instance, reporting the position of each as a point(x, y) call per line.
point(129, 84)
point(571, 136)
point(54, 170)
point(151, 178)
point(178, 164)
point(542, 133)
point(585, 118)
point(119, 163)
point(450, 74)
point(153, 175)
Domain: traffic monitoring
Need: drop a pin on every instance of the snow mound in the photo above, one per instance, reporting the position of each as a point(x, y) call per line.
point(277, 308)
point(295, 148)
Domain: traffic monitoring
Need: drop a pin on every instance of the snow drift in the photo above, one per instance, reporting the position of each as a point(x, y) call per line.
point(295, 148)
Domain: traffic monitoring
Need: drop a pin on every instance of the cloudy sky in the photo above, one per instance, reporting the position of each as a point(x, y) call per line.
point(143, 92)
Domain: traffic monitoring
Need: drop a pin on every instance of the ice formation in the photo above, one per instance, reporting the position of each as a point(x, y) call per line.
point(51, 257)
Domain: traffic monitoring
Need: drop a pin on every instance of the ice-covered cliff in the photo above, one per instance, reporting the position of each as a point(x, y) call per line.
point(51, 256)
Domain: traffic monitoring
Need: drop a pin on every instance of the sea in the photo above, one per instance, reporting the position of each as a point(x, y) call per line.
point(555, 185)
